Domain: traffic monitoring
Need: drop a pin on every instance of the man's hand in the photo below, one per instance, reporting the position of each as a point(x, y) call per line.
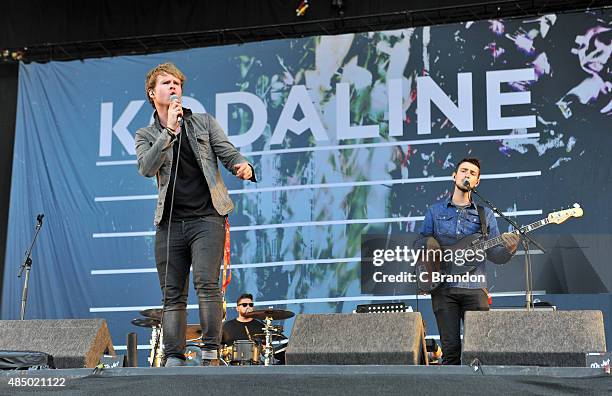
point(243, 171)
point(175, 110)
point(510, 241)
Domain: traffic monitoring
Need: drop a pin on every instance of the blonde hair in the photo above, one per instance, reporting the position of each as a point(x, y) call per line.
point(164, 68)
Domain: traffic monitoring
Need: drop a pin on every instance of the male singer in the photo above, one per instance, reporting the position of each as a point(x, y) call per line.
point(449, 221)
point(181, 150)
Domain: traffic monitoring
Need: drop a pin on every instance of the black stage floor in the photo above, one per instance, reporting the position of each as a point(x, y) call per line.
point(311, 380)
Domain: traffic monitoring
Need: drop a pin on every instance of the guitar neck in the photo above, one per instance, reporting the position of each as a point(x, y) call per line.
point(488, 244)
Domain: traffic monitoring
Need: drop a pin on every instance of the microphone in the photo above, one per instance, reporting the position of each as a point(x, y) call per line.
point(175, 98)
point(466, 183)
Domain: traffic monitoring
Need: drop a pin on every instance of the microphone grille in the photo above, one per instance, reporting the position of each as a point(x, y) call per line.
point(174, 98)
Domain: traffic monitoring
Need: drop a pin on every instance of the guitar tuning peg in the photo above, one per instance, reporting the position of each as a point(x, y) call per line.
point(576, 205)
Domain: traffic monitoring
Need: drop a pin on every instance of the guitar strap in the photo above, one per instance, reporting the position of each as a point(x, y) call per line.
point(484, 227)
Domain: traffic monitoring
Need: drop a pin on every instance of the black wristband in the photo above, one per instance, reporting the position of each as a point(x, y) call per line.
point(171, 133)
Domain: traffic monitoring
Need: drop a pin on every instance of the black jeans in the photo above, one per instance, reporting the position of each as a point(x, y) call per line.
point(449, 306)
point(196, 243)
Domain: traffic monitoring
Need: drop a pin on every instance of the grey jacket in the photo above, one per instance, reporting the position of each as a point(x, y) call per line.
point(208, 142)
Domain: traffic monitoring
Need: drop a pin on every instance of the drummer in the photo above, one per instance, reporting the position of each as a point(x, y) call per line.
point(241, 328)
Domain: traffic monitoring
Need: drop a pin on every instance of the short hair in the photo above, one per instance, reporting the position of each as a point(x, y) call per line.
point(164, 68)
point(471, 160)
point(245, 295)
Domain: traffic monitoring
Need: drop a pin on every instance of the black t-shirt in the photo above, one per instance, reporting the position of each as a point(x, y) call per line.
point(192, 196)
point(234, 330)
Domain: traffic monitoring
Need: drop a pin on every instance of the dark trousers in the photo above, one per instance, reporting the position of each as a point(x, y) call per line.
point(197, 243)
point(449, 306)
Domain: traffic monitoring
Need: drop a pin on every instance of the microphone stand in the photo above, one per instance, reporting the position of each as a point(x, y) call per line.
point(525, 240)
point(27, 266)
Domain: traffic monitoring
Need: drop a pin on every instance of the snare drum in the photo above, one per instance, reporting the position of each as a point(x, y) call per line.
point(242, 353)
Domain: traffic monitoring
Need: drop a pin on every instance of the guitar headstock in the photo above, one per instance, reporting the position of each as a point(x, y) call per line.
point(562, 215)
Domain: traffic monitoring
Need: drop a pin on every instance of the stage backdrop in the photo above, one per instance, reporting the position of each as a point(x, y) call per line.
point(348, 134)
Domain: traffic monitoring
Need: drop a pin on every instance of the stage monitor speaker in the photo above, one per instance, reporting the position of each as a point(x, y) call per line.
point(73, 343)
point(392, 338)
point(532, 338)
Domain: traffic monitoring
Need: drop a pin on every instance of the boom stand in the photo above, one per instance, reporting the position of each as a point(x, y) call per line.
point(526, 240)
point(27, 266)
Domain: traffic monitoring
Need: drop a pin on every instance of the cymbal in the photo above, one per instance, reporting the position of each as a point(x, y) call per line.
point(275, 314)
point(194, 332)
point(145, 322)
point(154, 313)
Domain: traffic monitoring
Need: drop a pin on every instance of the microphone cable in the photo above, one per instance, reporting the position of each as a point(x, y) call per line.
point(178, 157)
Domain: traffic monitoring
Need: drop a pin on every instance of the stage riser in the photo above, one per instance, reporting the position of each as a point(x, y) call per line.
point(317, 380)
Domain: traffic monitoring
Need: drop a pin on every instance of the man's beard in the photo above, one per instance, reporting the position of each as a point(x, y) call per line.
point(461, 187)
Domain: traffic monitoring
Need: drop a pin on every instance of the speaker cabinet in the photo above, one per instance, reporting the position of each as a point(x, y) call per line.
point(354, 339)
point(532, 338)
point(73, 343)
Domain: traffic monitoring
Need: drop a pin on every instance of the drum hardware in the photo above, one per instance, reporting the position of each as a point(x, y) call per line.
point(152, 319)
point(273, 314)
point(154, 313)
point(279, 345)
point(145, 322)
point(262, 337)
point(156, 340)
point(225, 355)
point(269, 330)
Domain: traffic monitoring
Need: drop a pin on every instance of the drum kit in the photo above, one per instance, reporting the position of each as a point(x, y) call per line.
point(263, 347)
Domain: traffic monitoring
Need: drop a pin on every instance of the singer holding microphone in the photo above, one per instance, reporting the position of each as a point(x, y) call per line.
point(448, 221)
point(181, 149)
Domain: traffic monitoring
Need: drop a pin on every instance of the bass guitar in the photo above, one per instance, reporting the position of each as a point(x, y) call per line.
point(465, 255)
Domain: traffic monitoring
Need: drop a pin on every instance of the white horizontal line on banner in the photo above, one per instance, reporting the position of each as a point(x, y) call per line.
point(303, 224)
point(126, 198)
point(124, 347)
point(397, 143)
point(332, 185)
point(120, 162)
point(124, 271)
point(311, 301)
point(273, 226)
point(364, 145)
point(235, 266)
point(260, 265)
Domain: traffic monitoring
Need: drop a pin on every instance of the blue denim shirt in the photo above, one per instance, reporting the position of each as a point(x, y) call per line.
point(449, 224)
